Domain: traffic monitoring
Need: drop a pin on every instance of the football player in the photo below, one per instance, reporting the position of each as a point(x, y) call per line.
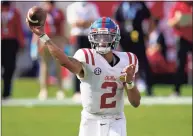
point(104, 74)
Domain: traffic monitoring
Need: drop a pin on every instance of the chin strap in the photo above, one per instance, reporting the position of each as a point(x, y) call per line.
point(103, 50)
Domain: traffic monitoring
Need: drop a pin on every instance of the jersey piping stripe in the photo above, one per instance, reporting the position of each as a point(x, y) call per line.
point(92, 57)
point(135, 59)
point(86, 56)
point(103, 22)
point(130, 58)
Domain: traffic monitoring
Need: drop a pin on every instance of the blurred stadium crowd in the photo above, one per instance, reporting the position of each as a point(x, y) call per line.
point(159, 33)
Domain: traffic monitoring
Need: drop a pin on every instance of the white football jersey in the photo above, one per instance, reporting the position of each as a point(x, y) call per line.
point(102, 92)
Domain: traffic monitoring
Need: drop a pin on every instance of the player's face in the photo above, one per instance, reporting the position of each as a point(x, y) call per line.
point(103, 38)
point(104, 42)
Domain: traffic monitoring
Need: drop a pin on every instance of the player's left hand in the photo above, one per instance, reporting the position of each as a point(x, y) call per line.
point(129, 73)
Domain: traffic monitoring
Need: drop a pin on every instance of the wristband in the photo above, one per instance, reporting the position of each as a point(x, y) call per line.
point(44, 38)
point(130, 85)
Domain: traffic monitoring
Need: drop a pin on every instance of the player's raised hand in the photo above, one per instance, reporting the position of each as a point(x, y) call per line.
point(129, 73)
point(35, 19)
point(38, 30)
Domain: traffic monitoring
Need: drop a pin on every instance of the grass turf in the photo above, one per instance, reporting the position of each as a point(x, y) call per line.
point(170, 120)
point(29, 88)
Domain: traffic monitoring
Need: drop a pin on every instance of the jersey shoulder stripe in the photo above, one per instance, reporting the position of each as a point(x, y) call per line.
point(130, 57)
point(92, 57)
point(86, 55)
point(135, 62)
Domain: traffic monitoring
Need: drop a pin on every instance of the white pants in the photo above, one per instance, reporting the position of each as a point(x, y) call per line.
point(99, 125)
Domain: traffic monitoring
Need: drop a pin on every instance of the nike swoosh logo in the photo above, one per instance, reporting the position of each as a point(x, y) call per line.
point(118, 118)
point(122, 72)
point(102, 124)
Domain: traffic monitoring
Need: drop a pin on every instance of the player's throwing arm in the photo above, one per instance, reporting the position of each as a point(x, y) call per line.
point(35, 19)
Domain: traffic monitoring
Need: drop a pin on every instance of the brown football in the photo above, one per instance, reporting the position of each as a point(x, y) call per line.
point(36, 16)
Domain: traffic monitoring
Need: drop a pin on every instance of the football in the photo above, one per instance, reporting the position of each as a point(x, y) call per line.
point(36, 16)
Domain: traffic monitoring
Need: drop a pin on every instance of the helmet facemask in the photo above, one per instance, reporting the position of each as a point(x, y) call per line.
point(103, 41)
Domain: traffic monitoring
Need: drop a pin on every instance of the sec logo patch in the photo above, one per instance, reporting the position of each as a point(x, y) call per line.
point(97, 71)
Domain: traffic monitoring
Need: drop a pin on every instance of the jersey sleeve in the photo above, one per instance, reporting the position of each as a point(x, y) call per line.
point(133, 60)
point(81, 56)
point(136, 64)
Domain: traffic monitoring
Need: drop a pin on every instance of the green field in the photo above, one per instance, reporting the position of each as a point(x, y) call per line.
point(156, 120)
point(64, 121)
point(29, 88)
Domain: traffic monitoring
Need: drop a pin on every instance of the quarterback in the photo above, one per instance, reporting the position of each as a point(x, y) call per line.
point(104, 74)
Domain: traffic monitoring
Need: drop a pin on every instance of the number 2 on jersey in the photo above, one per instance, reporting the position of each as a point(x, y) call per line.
point(113, 86)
